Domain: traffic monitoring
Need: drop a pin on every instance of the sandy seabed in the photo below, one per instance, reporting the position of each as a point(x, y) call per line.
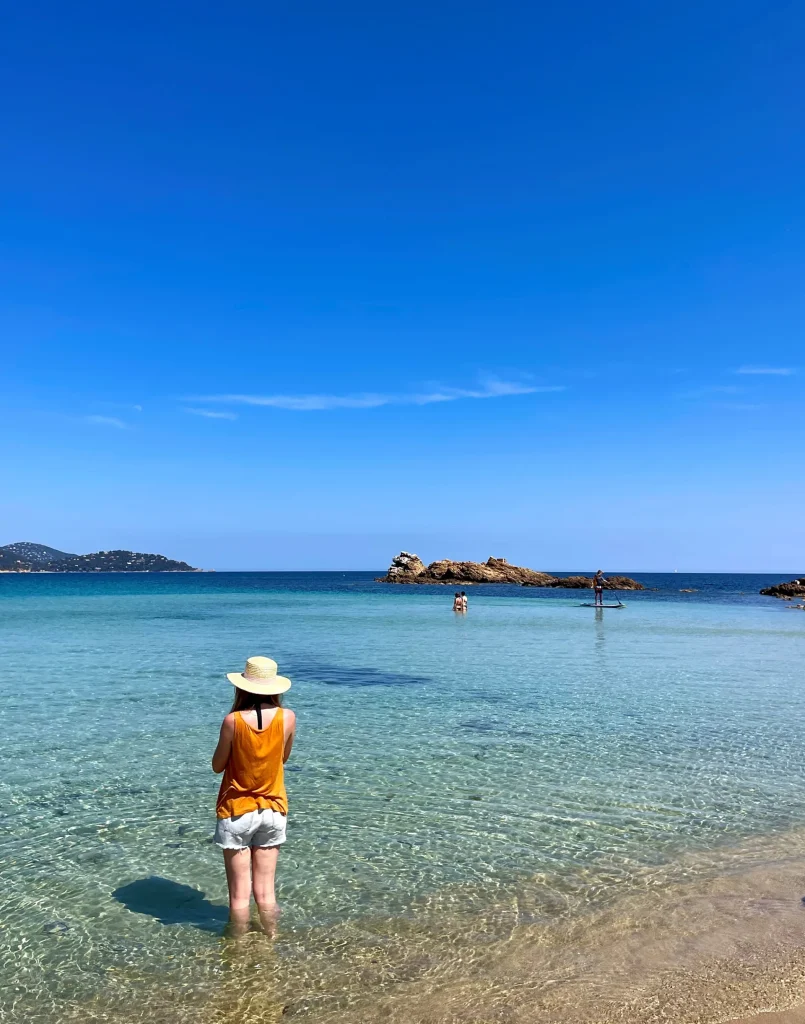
point(684, 948)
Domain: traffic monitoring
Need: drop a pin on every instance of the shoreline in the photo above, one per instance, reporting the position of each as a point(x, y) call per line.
point(729, 949)
point(675, 949)
point(713, 937)
point(725, 950)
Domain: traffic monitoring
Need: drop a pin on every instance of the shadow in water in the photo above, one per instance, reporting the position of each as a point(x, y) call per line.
point(172, 903)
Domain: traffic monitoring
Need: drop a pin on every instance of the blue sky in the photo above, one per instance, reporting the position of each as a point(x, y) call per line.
point(300, 288)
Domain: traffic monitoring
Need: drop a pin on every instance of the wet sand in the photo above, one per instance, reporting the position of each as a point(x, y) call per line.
point(729, 949)
point(795, 1016)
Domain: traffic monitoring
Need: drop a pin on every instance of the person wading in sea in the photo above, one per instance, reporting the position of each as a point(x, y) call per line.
point(598, 587)
point(458, 605)
point(464, 601)
point(254, 744)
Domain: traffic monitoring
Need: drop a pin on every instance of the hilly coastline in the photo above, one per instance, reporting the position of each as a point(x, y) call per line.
point(26, 556)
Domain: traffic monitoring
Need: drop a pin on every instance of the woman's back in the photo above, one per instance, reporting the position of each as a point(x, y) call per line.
point(254, 778)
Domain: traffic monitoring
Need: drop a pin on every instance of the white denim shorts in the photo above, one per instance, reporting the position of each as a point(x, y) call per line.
point(263, 827)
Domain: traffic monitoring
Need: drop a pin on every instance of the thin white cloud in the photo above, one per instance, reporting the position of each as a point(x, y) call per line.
point(373, 400)
point(106, 421)
point(768, 371)
point(718, 389)
point(210, 414)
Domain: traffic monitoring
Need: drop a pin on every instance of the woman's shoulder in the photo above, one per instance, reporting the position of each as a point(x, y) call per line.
point(289, 716)
point(229, 721)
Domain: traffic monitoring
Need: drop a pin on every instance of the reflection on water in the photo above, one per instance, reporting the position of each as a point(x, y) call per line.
point(600, 636)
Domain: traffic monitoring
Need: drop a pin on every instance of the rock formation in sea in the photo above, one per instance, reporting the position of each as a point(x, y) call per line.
point(409, 568)
point(794, 588)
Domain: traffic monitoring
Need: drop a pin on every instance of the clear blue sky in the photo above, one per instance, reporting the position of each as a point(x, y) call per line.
point(297, 286)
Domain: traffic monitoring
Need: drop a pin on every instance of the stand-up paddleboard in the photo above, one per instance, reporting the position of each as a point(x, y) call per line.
point(621, 605)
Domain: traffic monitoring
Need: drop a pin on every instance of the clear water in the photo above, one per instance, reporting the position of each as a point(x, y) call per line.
point(534, 755)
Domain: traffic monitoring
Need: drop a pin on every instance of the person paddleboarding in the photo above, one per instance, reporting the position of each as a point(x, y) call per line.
point(598, 588)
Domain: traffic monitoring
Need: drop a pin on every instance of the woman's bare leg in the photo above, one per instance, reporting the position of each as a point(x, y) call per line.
point(238, 865)
point(264, 866)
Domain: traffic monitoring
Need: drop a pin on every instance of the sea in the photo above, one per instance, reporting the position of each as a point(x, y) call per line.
point(534, 812)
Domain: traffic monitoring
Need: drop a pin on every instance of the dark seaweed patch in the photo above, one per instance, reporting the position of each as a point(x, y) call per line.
point(337, 675)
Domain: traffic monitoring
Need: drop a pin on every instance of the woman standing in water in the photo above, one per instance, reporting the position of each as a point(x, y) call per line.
point(254, 744)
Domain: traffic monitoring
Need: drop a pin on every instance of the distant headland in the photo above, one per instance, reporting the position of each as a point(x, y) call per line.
point(25, 556)
point(408, 568)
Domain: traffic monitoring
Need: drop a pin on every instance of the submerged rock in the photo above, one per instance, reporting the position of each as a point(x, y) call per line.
point(56, 927)
point(409, 568)
point(794, 588)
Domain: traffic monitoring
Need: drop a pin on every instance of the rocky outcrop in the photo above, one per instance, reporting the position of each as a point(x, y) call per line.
point(493, 570)
point(795, 588)
point(408, 568)
point(404, 568)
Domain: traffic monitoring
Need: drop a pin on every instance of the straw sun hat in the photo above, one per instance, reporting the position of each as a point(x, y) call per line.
point(259, 676)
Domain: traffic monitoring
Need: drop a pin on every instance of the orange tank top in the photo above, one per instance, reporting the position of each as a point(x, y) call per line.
point(254, 777)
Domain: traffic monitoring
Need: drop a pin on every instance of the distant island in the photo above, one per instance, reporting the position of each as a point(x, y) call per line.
point(25, 556)
point(408, 568)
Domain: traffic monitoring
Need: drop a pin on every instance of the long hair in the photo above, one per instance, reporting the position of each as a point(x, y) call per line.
point(245, 701)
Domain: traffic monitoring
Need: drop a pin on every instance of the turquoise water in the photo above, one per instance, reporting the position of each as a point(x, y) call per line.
point(533, 754)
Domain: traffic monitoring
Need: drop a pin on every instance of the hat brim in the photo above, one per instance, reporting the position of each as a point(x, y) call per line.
point(266, 687)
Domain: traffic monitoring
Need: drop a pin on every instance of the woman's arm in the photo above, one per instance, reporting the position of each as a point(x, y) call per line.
point(224, 748)
point(289, 720)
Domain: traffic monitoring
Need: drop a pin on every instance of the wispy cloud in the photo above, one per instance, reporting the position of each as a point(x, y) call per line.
point(769, 371)
point(106, 421)
point(706, 392)
point(373, 400)
point(211, 414)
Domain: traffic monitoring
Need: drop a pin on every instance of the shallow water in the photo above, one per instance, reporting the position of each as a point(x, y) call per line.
point(457, 781)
